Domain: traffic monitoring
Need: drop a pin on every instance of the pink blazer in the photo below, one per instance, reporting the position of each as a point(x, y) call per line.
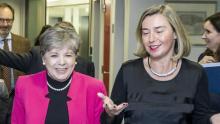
point(30, 104)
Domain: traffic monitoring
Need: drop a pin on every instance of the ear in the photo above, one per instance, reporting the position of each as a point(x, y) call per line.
point(174, 35)
point(43, 61)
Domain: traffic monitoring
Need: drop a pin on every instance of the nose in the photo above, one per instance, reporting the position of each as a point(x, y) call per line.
point(204, 35)
point(62, 61)
point(151, 37)
point(4, 22)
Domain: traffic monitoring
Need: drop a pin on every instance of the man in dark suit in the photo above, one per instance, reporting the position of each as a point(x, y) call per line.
point(10, 42)
point(14, 42)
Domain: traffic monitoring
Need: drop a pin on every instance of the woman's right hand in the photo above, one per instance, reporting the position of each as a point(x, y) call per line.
point(207, 59)
point(111, 108)
point(215, 119)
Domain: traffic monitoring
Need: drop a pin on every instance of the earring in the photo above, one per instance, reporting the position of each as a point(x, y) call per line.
point(43, 63)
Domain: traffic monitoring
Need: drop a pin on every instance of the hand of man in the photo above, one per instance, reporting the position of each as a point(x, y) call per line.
point(3, 89)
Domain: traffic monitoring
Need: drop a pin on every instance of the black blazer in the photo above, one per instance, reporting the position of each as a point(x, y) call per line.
point(3, 103)
point(31, 62)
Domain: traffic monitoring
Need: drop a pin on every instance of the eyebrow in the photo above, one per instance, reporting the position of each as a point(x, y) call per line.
point(154, 27)
point(160, 27)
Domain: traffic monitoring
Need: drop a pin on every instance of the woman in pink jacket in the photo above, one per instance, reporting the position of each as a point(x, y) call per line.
point(58, 95)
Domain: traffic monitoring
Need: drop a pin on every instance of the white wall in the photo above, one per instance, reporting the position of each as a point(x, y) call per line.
point(97, 33)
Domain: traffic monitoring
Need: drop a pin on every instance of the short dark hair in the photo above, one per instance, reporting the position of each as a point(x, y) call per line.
point(43, 29)
point(215, 21)
point(5, 5)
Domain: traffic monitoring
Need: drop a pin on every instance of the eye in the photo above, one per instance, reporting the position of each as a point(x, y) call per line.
point(53, 55)
point(207, 31)
point(159, 31)
point(69, 54)
point(145, 32)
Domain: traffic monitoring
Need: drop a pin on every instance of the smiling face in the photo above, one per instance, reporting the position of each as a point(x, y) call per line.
point(158, 36)
point(211, 36)
point(6, 21)
point(59, 62)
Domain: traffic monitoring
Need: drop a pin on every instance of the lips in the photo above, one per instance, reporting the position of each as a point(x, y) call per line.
point(154, 47)
point(61, 70)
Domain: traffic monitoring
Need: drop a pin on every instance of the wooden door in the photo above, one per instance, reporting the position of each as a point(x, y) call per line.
point(106, 57)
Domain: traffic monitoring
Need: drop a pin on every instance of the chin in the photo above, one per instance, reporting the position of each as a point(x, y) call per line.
point(61, 79)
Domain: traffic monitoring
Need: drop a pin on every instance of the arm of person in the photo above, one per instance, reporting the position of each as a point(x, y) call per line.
point(202, 113)
point(111, 108)
point(114, 110)
point(19, 61)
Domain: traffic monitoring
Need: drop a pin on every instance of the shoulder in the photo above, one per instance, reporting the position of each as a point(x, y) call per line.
point(91, 85)
point(132, 64)
point(207, 52)
point(87, 80)
point(20, 38)
point(192, 68)
point(31, 79)
point(191, 64)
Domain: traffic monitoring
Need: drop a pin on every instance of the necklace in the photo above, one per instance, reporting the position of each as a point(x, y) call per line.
point(59, 89)
point(163, 74)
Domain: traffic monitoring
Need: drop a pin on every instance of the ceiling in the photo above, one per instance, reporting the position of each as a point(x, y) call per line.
point(66, 2)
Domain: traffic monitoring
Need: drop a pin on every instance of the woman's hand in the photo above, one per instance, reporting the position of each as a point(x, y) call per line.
point(215, 119)
point(111, 108)
point(207, 59)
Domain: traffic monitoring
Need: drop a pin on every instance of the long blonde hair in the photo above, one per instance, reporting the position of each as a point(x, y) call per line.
point(182, 44)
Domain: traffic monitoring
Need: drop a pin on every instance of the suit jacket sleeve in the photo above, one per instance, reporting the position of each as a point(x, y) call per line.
point(19, 61)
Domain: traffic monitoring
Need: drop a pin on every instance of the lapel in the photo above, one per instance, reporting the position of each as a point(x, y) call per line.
point(44, 100)
point(75, 104)
point(14, 43)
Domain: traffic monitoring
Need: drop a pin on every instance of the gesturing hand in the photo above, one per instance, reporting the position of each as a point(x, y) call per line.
point(215, 119)
point(111, 108)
